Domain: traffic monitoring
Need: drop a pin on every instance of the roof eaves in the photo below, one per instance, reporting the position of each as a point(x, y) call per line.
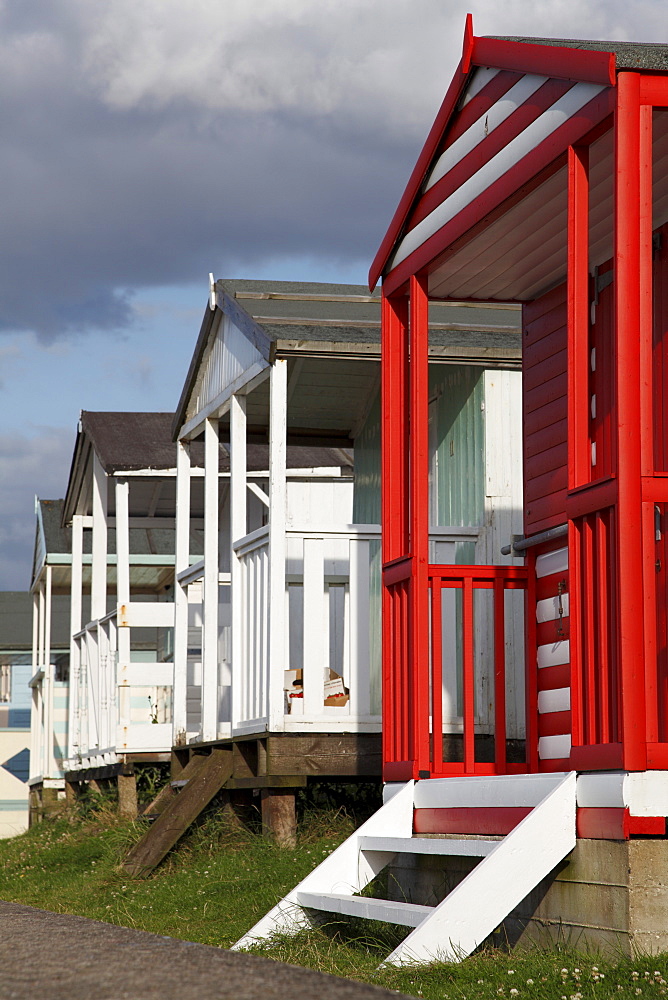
point(200, 347)
point(587, 65)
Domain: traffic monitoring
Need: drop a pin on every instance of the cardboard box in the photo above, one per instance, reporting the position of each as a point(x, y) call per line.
point(336, 693)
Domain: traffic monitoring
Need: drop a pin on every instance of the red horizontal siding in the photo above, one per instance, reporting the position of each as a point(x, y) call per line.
point(545, 385)
point(551, 678)
point(547, 631)
point(544, 460)
point(554, 723)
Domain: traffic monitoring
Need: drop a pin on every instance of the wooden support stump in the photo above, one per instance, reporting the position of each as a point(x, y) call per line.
point(94, 786)
point(127, 796)
point(279, 819)
point(72, 793)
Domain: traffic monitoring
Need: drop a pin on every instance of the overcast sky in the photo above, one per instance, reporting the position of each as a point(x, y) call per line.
point(148, 142)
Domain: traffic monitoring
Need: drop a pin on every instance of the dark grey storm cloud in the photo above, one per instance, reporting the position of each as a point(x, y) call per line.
point(147, 141)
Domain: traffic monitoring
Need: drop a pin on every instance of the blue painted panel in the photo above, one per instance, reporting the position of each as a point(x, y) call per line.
point(19, 765)
point(20, 692)
point(19, 718)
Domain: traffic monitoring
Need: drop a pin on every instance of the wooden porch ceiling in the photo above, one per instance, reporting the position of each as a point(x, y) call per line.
point(521, 251)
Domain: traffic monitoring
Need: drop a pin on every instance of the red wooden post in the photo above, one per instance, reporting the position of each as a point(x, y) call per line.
point(468, 670)
point(531, 669)
point(419, 518)
point(579, 441)
point(394, 507)
point(500, 676)
point(627, 323)
point(436, 675)
point(579, 455)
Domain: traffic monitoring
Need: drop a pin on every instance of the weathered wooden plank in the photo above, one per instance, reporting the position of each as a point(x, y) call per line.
point(345, 754)
point(168, 792)
point(180, 813)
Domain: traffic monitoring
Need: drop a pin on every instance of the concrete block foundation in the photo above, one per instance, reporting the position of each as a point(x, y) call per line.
point(607, 896)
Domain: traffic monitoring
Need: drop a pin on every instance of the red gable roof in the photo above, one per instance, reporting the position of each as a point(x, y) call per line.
point(561, 62)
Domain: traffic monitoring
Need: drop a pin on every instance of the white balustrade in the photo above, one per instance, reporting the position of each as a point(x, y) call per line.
point(107, 719)
point(331, 650)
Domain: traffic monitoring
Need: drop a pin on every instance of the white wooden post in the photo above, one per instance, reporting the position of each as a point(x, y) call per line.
point(278, 385)
point(316, 631)
point(76, 584)
point(182, 561)
point(98, 597)
point(122, 598)
point(35, 720)
point(359, 605)
point(41, 638)
point(211, 569)
point(238, 525)
point(49, 676)
point(98, 593)
point(40, 628)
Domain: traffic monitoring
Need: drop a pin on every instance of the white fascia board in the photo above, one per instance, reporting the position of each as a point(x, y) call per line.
point(145, 473)
point(245, 383)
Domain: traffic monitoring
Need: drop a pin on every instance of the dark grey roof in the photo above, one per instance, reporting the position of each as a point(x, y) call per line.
point(316, 312)
point(628, 55)
point(16, 621)
point(136, 441)
point(57, 538)
point(130, 440)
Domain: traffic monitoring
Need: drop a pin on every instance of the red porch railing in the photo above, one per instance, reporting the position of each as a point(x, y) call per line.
point(413, 710)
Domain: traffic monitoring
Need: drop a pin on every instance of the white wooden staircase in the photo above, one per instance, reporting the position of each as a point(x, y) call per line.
point(510, 868)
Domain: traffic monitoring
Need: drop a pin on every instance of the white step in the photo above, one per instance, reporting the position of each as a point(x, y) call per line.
point(469, 848)
point(408, 914)
point(483, 900)
point(510, 866)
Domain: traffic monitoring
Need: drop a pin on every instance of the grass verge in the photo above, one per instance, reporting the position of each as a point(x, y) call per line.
point(222, 878)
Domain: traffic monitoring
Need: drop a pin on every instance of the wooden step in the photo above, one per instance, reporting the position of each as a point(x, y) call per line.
point(206, 779)
point(471, 848)
point(407, 914)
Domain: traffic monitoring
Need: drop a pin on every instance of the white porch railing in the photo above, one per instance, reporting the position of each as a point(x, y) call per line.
point(121, 706)
point(331, 654)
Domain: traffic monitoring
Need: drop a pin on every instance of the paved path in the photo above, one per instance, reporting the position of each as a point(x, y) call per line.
point(53, 956)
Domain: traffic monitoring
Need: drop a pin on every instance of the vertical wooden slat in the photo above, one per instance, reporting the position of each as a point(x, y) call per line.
point(575, 630)
point(499, 677)
point(468, 668)
point(654, 699)
point(589, 647)
point(316, 640)
point(531, 672)
point(359, 617)
point(602, 625)
point(436, 675)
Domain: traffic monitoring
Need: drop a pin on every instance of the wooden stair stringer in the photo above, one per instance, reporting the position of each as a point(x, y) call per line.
point(168, 792)
point(207, 779)
point(345, 872)
point(482, 901)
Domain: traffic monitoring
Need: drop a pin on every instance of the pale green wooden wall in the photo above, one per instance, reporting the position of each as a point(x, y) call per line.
point(457, 467)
